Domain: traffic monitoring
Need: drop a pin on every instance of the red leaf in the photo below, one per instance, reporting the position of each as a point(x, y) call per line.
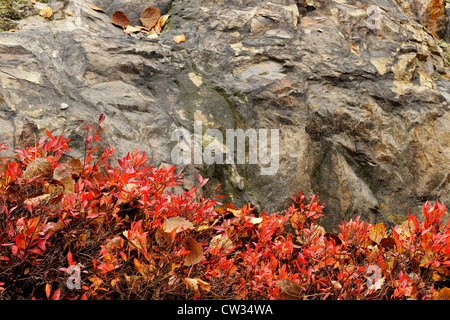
point(70, 259)
point(57, 294)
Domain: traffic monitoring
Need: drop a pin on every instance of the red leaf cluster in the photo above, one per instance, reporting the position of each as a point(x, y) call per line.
point(89, 229)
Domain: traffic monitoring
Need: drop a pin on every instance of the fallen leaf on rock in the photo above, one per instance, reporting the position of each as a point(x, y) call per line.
point(45, 12)
point(150, 16)
point(131, 29)
point(94, 7)
point(196, 252)
point(162, 20)
point(179, 39)
point(120, 19)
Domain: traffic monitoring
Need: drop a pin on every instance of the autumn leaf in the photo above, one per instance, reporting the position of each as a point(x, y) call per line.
point(76, 166)
point(48, 290)
point(387, 243)
point(94, 7)
point(162, 20)
point(196, 252)
point(377, 232)
point(131, 29)
point(442, 294)
point(162, 238)
point(221, 241)
point(179, 39)
point(289, 290)
point(197, 285)
point(150, 16)
point(178, 224)
point(45, 12)
point(120, 19)
point(39, 166)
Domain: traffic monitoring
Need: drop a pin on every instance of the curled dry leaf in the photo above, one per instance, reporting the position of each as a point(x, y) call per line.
point(196, 285)
point(162, 20)
point(178, 224)
point(150, 16)
point(179, 39)
point(162, 238)
point(196, 252)
point(94, 7)
point(120, 19)
point(39, 166)
point(131, 29)
point(45, 12)
point(289, 290)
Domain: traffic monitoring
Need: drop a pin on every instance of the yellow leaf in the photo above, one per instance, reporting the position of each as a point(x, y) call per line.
point(39, 166)
point(442, 294)
point(131, 29)
point(196, 284)
point(377, 232)
point(163, 19)
point(254, 220)
point(45, 12)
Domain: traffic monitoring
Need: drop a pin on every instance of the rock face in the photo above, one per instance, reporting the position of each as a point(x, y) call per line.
point(360, 96)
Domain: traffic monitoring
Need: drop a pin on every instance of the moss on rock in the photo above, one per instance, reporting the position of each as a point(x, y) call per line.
point(13, 10)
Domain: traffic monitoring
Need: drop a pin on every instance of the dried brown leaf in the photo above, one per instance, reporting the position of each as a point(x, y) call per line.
point(196, 285)
point(196, 252)
point(120, 19)
point(377, 232)
point(178, 224)
point(39, 166)
point(150, 16)
point(289, 290)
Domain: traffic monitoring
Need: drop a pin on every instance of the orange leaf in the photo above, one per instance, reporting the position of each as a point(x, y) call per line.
point(180, 38)
point(120, 19)
point(48, 289)
point(150, 16)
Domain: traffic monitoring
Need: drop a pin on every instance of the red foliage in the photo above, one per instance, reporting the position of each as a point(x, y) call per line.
point(91, 230)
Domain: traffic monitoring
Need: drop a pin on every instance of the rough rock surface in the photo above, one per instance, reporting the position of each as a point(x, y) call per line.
point(363, 111)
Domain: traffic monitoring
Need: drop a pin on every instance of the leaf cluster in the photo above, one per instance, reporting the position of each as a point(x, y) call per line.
point(88, 229)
